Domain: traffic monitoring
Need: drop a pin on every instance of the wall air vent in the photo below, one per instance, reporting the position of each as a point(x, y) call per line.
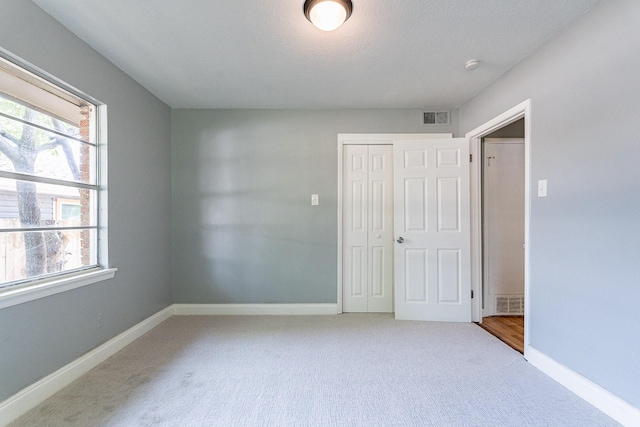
point(510, 305)
point(435, 118)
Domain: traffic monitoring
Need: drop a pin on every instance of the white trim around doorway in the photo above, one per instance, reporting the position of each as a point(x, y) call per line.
point(520, 111)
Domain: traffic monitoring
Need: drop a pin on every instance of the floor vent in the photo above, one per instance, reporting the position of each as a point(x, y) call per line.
point(511, 305)
point(435, 118)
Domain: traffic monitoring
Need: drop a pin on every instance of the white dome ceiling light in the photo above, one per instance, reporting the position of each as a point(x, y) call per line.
point(327, 15)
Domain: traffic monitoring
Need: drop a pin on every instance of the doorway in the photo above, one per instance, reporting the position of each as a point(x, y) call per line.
point(501, 277)
point(503, 234)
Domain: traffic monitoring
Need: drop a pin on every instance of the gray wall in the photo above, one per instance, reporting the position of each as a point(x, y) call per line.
point(38, 337)
point(244, 230)
point(585, 236)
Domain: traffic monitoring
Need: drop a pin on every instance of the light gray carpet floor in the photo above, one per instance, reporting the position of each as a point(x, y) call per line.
point(348, 370)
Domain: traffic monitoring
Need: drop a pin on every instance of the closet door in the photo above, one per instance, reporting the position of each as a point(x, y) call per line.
point(368, 228)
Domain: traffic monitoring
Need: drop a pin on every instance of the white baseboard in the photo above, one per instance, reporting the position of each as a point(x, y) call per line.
point(254, 309)
point(618, 409)
point(33, 395)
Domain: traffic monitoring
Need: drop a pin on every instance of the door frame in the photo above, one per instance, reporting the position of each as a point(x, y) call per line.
point(520, 111)
point(365, 139)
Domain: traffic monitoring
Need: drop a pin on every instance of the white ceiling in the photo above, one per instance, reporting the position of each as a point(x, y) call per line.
point(265, 54)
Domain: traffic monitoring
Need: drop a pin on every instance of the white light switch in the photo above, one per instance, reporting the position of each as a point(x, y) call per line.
point(314, 200)
point(542, 188)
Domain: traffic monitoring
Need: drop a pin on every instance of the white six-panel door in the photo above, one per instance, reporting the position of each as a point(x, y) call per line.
point(368, 228)
point(432, 228)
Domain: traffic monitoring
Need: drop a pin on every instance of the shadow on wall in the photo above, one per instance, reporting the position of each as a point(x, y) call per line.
point(259, 238)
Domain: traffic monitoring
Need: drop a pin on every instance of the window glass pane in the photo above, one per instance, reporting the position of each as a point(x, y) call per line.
point(35, 92)
point(48, 137)
point(18, 109)
point(49, 252)
point(31, 150)
point(70, 211)
point(26, 204)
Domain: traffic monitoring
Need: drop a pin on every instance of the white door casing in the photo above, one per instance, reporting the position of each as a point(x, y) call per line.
point(520, 111)
point(368, 228)
point(432, 228)
point(503, 226)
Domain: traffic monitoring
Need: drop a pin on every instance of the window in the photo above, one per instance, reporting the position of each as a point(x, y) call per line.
point(50, 187)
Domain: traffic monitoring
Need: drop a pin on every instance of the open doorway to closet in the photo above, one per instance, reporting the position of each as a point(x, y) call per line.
point(499, 127)
point(503, 233)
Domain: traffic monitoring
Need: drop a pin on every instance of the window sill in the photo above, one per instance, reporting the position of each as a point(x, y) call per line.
point(47, 287)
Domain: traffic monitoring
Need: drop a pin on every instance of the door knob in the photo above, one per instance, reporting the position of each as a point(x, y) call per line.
point(400, 240)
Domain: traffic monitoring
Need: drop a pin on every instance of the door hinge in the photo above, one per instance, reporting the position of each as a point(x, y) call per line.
point(471, 293)
point(470, 158)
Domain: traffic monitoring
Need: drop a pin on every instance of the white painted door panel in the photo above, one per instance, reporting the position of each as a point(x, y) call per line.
point(368, 228)
point(355, 235)
point(380, 239)
point(431, 218)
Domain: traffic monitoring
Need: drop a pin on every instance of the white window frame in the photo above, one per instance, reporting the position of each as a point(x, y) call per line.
point(41, 287)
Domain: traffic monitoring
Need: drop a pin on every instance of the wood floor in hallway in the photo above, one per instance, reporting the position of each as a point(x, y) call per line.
point(509, 329)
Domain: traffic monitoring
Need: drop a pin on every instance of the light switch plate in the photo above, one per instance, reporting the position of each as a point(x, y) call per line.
point(542, 188)
point(314, 200)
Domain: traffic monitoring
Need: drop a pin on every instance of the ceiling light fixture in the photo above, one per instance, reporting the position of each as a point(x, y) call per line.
point(327, 15)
